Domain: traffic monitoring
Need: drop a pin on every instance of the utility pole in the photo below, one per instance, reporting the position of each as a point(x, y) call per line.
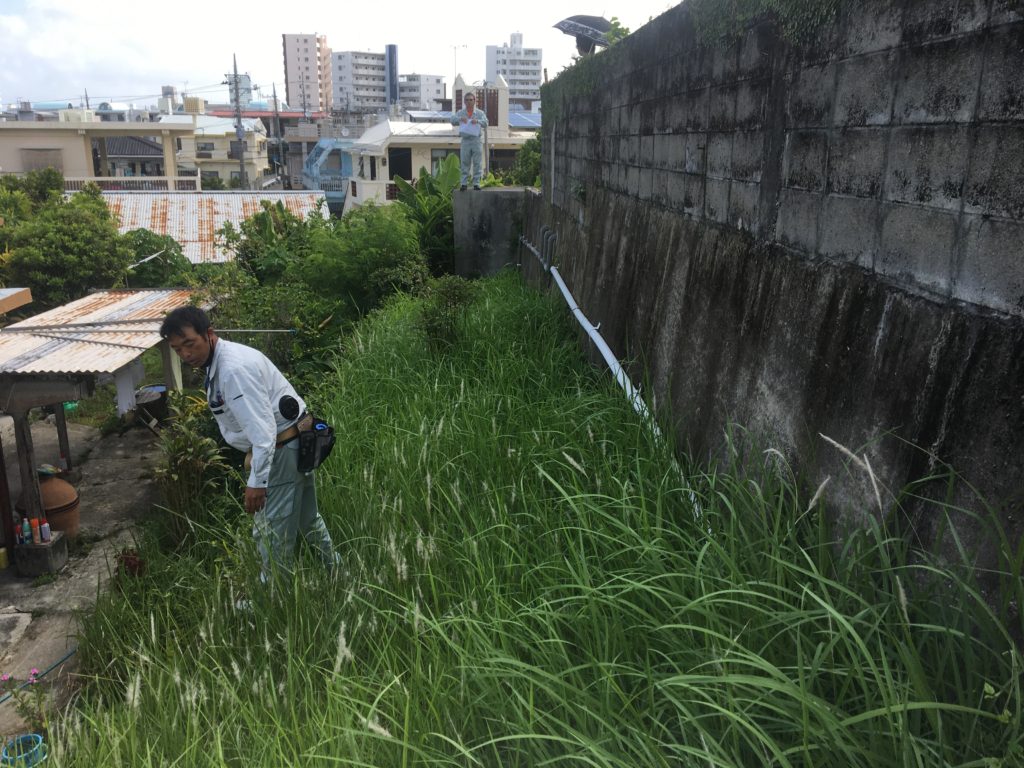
point(86, 98)
point(302, 89)
point(239, 130)
point(487, 143)
point(282, 152)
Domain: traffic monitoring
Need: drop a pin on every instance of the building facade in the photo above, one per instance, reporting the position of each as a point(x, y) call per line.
point(307, 72)
point(421, 91)
point(213, 152)
point(521, 68)
point(360, 81)
point(365, 81)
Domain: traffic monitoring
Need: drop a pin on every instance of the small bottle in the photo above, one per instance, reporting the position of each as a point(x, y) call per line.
point(35, 531)
point(44, 531)
point(26, 531)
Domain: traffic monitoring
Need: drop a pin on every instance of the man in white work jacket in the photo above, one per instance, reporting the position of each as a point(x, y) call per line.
point(257, 411)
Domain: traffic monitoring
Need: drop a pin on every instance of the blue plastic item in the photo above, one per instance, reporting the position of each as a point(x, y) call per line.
point(24, 751)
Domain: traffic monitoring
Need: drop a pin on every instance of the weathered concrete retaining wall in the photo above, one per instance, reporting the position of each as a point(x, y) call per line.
point(803, 242)
point(487, 227)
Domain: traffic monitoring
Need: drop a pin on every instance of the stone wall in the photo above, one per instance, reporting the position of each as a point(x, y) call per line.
point(811, 241)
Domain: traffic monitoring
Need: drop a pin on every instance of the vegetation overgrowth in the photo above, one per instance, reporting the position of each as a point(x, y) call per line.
point(799, 21)
point(531, 578)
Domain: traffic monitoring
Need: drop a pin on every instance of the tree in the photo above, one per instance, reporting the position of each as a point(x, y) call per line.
point(41, 186)
point(525, 171)
point(15, 207)
point(67, 248)
point(158, 261)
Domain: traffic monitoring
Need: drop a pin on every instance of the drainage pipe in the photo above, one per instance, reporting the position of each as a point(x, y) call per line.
point(544, 256)
point(609, 357)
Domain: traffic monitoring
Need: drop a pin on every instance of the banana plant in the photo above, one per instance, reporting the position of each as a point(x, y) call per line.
point(429, 204)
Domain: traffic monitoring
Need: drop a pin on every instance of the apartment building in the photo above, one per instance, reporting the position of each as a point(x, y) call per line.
point(421, 91)
point(307, 72)
point(521, 68)
point(213, 151)
point(365, 81)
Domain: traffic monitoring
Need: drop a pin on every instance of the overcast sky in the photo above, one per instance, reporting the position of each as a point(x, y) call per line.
point(55, 50)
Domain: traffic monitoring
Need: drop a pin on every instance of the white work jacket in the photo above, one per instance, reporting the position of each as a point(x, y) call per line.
point(244, 391)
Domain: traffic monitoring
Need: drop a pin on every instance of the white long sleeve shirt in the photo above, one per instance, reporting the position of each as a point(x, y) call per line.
point(244, 391)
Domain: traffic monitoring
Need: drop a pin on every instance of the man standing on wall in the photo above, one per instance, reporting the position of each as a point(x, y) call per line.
point(257, 411)
point(471, 122)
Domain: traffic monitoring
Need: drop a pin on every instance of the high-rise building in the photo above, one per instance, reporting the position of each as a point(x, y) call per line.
point(360, 81)
point(364, 81)
point(521, 68)
point(307, 72)
point(421, 91)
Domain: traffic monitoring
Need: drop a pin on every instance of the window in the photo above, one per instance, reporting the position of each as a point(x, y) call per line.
point(203, 146)
point(210, 174)
point(40, 159)
point(437, 155)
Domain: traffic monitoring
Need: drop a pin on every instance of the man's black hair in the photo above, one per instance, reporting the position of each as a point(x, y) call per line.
point(184, 317)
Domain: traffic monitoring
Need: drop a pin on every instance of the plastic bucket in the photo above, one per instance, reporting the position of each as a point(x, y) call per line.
point(24, 751)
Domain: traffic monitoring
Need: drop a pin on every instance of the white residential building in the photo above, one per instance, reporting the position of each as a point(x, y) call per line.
point(421, 91)
point(365, 81)
point(521, 68)
point(212, 151)
point(307, 72)
point(359, 81)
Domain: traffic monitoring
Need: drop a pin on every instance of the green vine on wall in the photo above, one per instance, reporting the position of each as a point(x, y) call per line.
point(799, 20)
point(581, 80)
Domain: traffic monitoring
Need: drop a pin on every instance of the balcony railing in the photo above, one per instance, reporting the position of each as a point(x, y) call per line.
point(364, 191)
point(136, 183)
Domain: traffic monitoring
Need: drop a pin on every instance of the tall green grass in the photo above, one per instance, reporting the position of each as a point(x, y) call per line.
point(530, 578)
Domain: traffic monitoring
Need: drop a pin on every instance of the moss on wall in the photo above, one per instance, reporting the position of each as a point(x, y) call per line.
point(799, 20)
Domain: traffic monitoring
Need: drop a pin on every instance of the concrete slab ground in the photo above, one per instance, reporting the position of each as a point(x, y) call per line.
point(39, 617)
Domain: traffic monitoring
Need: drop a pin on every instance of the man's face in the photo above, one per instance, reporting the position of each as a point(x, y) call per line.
point(192, 348)
point(470, 102)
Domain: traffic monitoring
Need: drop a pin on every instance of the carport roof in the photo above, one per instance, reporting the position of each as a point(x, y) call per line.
point(99, 333)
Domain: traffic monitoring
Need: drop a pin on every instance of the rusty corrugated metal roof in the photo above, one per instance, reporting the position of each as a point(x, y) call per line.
point(99, 333)
point(192, 218)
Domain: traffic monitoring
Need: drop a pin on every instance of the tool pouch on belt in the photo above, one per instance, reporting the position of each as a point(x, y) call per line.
point(316, 440)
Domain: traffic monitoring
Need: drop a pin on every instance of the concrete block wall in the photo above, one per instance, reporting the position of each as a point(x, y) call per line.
point(896, 143)
point(804, 242)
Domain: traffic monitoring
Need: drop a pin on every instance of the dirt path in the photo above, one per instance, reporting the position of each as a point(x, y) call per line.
point(38, 622)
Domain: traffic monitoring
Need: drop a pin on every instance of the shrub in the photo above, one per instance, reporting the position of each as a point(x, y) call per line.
point(443, 311)
point(271, 240)
point(192, 466)
point(525, 171)
point(240, 302)
point(159, 261)
point(370, 254)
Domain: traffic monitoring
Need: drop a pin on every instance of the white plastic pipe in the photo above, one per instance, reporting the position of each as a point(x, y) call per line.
point(609, 357)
